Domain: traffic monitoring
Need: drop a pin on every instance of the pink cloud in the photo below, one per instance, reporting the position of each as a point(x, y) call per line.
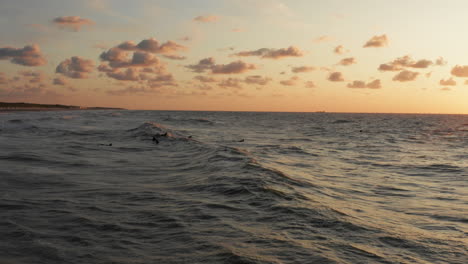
point(310, 84)
point(303, 69)
point(231, 83)
point(323, 38)
point(339, 50)
point(206, 19)
point(405, 76)
point(232, 68)
point(174, 57)
point(257, 79)
point(290, 82)
point(405, 62)
point(75, 67)
point(361, 84)
point(347, 61)
point(377, 42)
point(202, 65)
point(336, 77)
point(266, 53)
point(60, 81)
point(72, 22)
point(28, 56)
point(460, 71)
point(205, 79)
point(448, 82)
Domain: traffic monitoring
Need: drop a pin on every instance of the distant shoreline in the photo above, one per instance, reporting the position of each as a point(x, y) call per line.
point(17, 107)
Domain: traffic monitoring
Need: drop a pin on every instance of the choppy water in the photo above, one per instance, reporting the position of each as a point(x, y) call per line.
point(227, 187)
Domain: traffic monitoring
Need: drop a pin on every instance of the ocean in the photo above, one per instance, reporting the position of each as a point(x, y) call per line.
point(118, 186)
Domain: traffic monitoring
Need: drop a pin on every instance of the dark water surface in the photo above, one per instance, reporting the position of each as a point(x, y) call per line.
point(226, 187)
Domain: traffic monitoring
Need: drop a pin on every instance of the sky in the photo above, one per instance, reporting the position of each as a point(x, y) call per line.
point(374, 56)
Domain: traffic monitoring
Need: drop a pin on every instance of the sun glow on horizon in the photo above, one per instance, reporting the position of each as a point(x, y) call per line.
point(269, 55)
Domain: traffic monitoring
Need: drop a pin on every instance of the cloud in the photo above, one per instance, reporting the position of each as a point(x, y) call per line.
point(375, 84)
point(291, 82)
point(421, 64)
point(460, 71)
point(3, 78)
point(75, 67)
point(72, 22)
point(448, 82)
point(340, 50)
point(231, 83)
point(405, 76)
point(205, 79)
point(204, 87)
point(440, 61)
point(377, 42)
point(174, 57)
point(405, 62)
point(60, 81)
point(202, 65)
point(336, 77)
point(30, 55)
point(361, 84)
point(466, 82)
point(445, 89)
point(206, 19)
point(130, 74)
point(303, 69)
point(237, 30)
point(153, 46)
point(266, 53)
point(257, 79)
point(347, 61)
point(310, 84)
point(232, 68)
point(33, 76)
point(323, 38)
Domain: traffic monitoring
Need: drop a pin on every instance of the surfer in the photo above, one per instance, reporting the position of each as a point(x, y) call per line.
point(155, 140)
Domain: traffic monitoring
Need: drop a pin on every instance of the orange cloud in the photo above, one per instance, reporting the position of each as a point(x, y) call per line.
point(336, 77)
point(130, 74)
point(266, 53)
point(60, 81)
point(460, 71)
point(174, 57)
point(340, 50)
point(310, 84)
point(347, 61)
point(72, 22)
point(440, 61)
point(30, 55)
point(231, 83)
point(206, 19)
point(202, 65)
point(303, 69)
point(33, 76)
point(205, 79)
point(75, 67)
point(257, 79)
point(361, 84)
point(405, 62)
point(377, 42)
point(323, 38)
point(448, 82)
point(291, 82)
point(375, 84)
point(232, 68)
point(405, 76)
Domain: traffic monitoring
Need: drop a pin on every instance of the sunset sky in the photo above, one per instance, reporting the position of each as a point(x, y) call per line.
point(259, 55)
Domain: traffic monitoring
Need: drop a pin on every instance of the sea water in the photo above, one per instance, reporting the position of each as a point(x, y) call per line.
point(232, 187)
